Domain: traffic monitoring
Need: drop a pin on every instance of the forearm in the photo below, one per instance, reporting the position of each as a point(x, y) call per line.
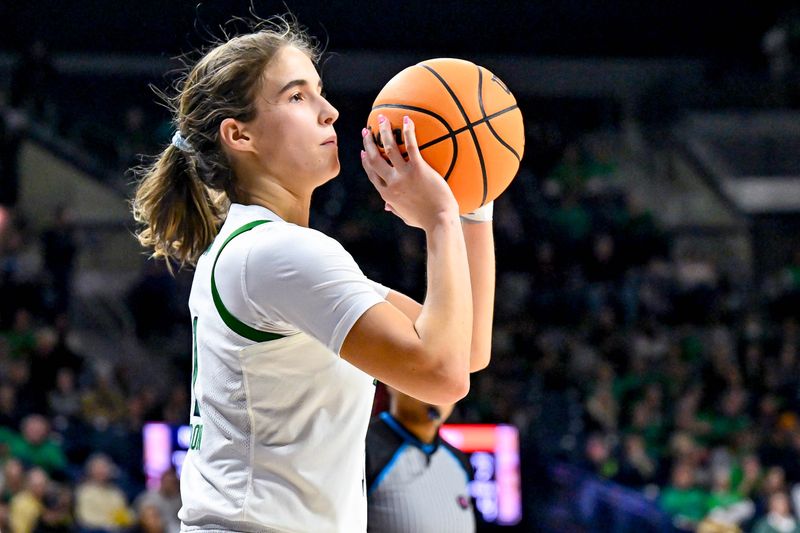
point(445, 321)
point(479, 240)
point(427, 357)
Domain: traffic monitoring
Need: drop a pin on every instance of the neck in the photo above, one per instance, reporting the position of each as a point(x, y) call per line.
point(424, 430)
point(289, 205)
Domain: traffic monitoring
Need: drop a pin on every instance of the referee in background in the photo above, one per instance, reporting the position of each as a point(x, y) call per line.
point(416, 482)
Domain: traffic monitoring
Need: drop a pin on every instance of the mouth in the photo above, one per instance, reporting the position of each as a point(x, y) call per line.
point(330, 141)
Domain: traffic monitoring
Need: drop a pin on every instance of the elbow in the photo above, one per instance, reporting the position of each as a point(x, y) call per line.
point(441, 376)
point(450, 392)
point(442, 394)
point(479, 361)
point(452, 384)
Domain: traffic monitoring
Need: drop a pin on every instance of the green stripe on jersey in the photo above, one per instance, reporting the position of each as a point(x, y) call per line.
point(196, 409)
point(236, 325)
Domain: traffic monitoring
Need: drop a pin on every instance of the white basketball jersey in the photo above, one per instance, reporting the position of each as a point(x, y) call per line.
point(278, 418)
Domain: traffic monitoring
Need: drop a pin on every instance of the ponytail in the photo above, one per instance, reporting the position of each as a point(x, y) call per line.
point(180, 214)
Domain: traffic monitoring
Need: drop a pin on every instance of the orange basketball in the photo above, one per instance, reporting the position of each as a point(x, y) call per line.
point(468, 125)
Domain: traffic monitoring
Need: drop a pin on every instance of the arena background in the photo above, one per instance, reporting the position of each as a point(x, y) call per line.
point(646, 334)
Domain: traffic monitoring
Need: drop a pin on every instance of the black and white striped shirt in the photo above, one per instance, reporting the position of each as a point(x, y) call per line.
point(414, 487)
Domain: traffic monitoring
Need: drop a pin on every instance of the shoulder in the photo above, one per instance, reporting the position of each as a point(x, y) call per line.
point(275, 246)
point(381, 435)
point(285, 232)
point(382, 446)
point(83, 489)
point(459, 456)
point(8, 435)
point(291, 242)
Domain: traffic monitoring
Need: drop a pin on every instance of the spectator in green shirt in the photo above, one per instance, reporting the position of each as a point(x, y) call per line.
point(729, 419)
point(725, 505)
point(35, 447)
point(683, 499)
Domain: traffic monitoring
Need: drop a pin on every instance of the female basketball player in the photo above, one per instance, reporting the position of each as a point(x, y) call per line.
point(288, 333)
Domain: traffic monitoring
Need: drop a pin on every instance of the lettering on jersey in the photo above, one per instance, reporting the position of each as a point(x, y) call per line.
point(197, 437)
point(195, 402)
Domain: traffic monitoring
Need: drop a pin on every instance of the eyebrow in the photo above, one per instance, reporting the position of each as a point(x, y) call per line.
point(297, 83)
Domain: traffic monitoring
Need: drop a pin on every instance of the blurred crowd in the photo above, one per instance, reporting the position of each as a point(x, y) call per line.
point(652, 367)
point(70, 423)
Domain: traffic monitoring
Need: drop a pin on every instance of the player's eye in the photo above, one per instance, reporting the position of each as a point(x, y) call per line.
point(296, 97)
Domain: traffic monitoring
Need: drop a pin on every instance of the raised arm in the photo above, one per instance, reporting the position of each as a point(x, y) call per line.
point(479, 240)
point(428, 357)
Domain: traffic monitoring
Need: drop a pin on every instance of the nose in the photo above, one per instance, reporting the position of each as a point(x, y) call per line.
point(328, 114)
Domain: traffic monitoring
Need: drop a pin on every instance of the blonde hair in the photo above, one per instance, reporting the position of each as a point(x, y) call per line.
point(183, 195)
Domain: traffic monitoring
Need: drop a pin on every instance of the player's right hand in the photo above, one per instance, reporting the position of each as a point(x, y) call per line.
point(412, 189)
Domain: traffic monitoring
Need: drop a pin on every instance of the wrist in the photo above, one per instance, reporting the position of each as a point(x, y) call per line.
point(443, 220)
point(485, 213)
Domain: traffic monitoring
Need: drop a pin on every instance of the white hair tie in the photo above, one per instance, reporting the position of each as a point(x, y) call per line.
point(179, 142)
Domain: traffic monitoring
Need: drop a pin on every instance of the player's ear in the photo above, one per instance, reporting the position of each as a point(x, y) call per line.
point(234, 135)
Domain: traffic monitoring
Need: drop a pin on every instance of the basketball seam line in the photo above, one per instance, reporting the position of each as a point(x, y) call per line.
point(486, 118)
point(488, 123)
point(452, 132)
point(472, 132)
point(451, 135)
